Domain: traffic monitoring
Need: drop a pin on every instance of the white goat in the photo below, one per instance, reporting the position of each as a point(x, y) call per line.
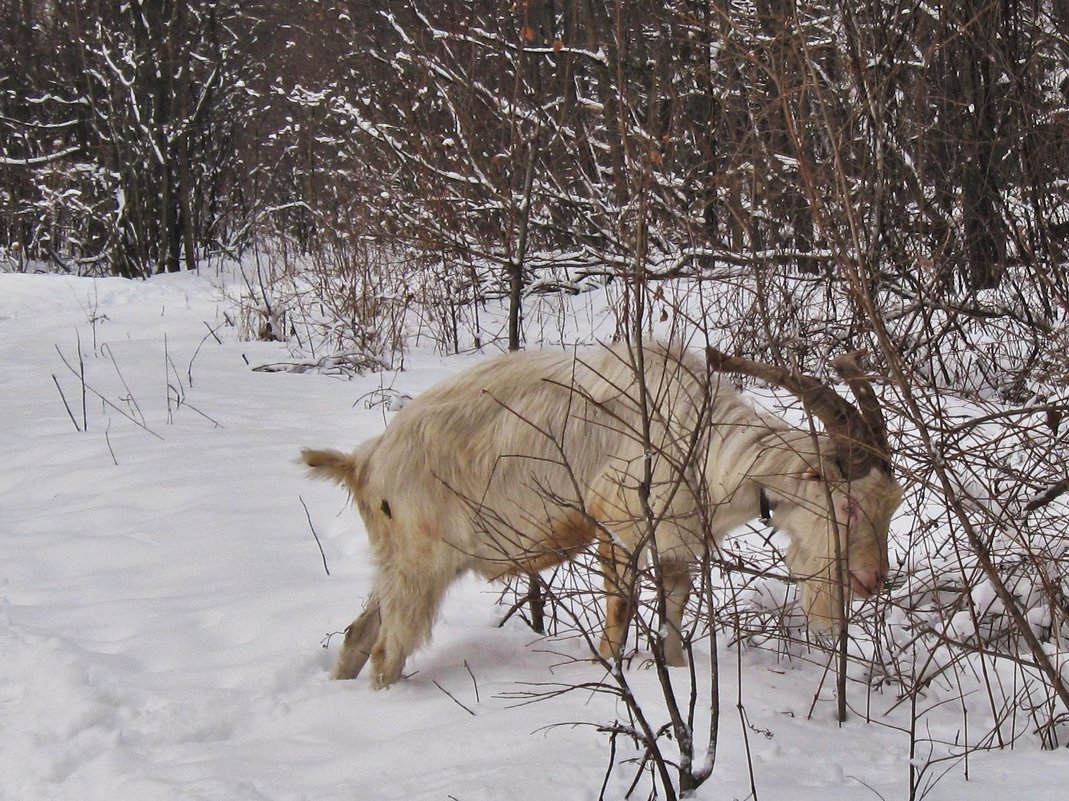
point(527, 459)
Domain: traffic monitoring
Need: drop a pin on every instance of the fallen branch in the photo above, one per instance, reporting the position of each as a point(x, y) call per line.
point(1048, 495)
point(343, 363)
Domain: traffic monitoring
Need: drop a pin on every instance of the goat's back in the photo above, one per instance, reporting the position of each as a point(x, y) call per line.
point(499, 457)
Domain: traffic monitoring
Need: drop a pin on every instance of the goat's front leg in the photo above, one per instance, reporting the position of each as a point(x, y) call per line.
point(675, 582)
point(619, 597)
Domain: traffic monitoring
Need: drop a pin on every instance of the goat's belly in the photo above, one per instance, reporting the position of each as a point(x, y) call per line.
point(531, 540)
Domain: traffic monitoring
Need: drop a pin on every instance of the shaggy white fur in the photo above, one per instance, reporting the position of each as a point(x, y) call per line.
point(529, 458)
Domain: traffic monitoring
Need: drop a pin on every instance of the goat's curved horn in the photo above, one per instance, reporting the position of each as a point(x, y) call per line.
point(861, 445)
point(868, 404)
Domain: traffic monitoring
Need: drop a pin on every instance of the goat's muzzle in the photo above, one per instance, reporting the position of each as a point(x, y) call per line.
point(866, 583)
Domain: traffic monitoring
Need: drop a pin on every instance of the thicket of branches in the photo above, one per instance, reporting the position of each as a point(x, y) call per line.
point(926, 139)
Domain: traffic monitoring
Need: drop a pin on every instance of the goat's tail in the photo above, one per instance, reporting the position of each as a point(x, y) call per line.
point(347, 469)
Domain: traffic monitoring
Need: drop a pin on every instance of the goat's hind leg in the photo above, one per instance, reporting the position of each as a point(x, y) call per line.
point(360, 638)
point(409, 605)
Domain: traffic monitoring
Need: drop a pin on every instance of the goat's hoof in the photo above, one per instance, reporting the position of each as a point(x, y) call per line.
point(608, 651)
point(382, 679)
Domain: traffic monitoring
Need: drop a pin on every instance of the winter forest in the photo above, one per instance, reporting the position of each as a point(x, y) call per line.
point(281, 220)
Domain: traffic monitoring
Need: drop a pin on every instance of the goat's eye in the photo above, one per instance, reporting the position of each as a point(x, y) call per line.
point(812, 474)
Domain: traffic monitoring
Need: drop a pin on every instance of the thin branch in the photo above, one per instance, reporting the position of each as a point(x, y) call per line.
point(107, 402)
point(454, 699)
point(308, 515)
point(66, 405)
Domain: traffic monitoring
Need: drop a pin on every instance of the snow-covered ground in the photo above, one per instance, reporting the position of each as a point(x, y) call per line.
point(164, 606)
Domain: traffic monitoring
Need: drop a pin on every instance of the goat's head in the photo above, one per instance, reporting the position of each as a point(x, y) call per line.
point(834, 493)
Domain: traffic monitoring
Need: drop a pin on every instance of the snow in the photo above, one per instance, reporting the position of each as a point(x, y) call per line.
point(164, 607)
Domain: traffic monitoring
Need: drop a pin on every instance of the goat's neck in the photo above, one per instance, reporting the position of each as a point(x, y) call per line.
point(735, 453)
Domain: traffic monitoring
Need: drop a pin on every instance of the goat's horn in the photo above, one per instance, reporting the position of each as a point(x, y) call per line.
point(860, 446)
point(867, 402)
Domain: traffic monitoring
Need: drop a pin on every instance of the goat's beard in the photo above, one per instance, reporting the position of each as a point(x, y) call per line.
point(823, 594)
point(823, 600)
